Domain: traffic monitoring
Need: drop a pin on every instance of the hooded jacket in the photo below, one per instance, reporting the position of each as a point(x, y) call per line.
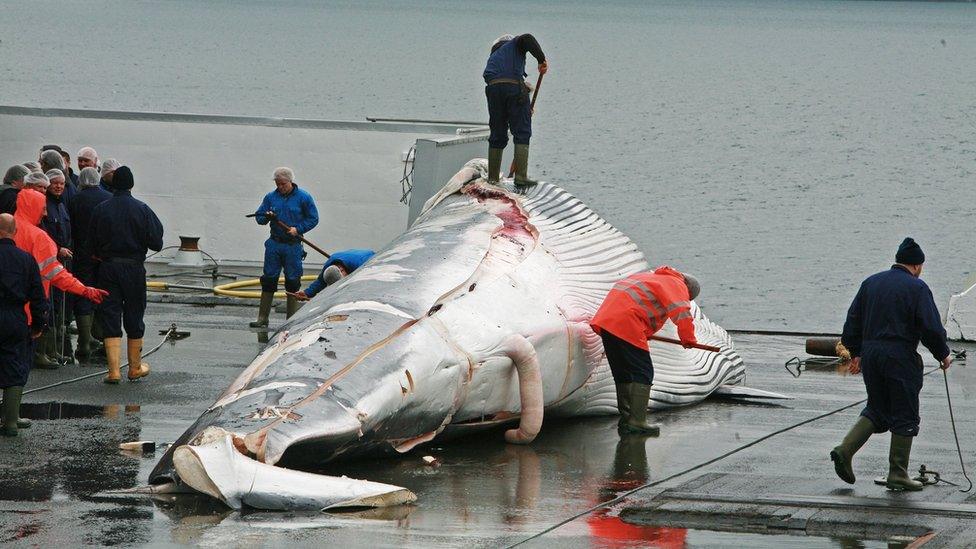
point(639, 305)
point(31, 206)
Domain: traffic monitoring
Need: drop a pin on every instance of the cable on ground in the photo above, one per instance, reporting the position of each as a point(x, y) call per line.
point(732, 452)
point(169, 335)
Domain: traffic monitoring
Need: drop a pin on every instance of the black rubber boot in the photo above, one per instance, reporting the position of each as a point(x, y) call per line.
point(83, 352)
point(898, 456)
point(264, 309)
point(11, 411)
point(637, 417)
point(62, 343)
point(291, 306)
point(494, 164)
point(522, 166)
point(843, 454)
point(623, 405)
point(41, 358)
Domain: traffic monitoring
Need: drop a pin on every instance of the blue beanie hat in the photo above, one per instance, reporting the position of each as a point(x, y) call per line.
point(910, 253)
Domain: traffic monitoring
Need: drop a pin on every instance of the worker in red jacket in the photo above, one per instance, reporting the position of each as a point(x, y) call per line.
point(31, 206)
point(636, 308)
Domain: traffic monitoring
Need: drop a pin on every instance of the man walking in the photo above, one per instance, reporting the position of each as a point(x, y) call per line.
point(294, 208)
point(508, 102)
point(122, 230)
point(892, 312)
point(20, 285)
point(636, 308)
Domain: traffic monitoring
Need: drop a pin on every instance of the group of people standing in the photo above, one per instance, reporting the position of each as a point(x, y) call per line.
point(86, 238)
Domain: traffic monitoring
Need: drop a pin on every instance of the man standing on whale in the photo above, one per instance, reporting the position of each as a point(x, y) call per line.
point(636, 308)
point(892, 312)
point(508, 102)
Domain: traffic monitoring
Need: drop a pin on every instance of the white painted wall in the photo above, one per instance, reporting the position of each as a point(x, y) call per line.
point(201, 175)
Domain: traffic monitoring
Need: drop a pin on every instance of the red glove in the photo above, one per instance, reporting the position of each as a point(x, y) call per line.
point(94, 294)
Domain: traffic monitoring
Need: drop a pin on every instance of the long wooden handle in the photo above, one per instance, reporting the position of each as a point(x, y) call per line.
point(535, 95)
point(696, 345)
point(302, 238)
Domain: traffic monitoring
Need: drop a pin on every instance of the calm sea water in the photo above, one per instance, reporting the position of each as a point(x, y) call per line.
point(778, 149)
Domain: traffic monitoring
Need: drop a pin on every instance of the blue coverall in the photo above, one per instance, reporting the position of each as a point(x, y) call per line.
point(296, 209)
point(351, 260)
point(20, 283)
point(122, 230)
point(508, 100)
point(57, 225)
point(892, 312)
point(82, 265)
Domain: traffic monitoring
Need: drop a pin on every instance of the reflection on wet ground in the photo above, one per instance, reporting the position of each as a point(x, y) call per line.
point(67, 410)
point(481, 492)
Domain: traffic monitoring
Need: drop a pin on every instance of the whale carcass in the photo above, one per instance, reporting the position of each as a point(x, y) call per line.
point(475, 316)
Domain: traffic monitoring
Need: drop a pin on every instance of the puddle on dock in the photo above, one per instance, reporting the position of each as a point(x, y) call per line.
point(45, 411)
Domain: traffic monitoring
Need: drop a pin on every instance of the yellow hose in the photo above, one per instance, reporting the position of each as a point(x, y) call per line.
point(230, 289)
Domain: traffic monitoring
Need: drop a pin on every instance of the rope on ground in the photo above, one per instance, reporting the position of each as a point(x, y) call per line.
point(169, 335)
point(693, 468)
point(952, 418)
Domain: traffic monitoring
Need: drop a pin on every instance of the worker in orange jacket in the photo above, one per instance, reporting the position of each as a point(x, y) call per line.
point(31, 207)
point(636, 308)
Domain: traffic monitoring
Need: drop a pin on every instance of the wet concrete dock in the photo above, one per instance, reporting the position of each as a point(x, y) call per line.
point(782, 492)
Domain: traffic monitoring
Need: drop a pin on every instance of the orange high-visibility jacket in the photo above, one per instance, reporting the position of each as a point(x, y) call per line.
point(639, 305)
point(31, 206)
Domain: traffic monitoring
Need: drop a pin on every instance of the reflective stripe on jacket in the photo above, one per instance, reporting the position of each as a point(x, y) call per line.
point(639, 305)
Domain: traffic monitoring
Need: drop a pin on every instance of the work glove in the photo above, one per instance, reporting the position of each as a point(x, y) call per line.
point(270, 215)
point(94, 295)
point(688, 344)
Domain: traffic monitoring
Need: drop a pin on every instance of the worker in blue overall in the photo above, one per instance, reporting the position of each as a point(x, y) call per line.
point(294, 208)
point(20, 285)
point(509, 107)
point(892, 312)
point(89, 196)
point(122, 230)
point(340, 264)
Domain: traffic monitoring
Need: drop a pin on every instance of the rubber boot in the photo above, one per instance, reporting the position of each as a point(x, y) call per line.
point(291, 306)
point(51, 346)
point(623, 405)
point(898, 455)
point(113, 352)
point(137, 368)
point(62, 345)
point(41, 359)
point(66, 349)
point(636, 423)
point(264, 309)
point(11, 411)
point(843, 454)
point(522, 166)
point(83, 352)
point(494, 164)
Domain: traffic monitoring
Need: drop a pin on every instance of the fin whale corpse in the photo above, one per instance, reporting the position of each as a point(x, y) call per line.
point(476, 315)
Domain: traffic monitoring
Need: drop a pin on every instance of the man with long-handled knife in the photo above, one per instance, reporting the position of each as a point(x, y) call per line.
point(509, 107)
point(291, 213)
point(633, 311)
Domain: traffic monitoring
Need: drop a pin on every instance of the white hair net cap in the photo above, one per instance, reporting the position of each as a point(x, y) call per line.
point(37, 178)
point(87, 152)
point(502, 38)
point(54, 174)
point(110, 166)
point(88, 177)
